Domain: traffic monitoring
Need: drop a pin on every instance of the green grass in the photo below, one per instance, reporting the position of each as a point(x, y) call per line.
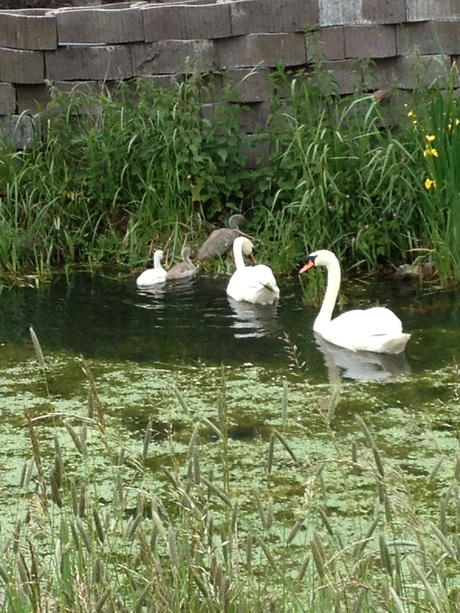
point(124, 168)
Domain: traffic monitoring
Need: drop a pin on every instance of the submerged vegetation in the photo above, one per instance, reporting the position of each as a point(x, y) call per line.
point(139, 164)
point(172, 490)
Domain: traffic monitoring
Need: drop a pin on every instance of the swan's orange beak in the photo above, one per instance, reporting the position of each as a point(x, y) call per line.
point(306, 267)
point(252, 257)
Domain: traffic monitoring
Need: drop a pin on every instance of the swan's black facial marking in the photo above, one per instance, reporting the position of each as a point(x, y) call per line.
point(252, 256)
point(309, 263)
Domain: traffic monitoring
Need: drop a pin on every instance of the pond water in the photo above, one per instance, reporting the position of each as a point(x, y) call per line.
point(195, 323)
point(145, 347)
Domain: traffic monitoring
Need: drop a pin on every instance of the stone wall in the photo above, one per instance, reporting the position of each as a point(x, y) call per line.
point(86, 46)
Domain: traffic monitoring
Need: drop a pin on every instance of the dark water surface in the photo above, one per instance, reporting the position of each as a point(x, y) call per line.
point(195, 323)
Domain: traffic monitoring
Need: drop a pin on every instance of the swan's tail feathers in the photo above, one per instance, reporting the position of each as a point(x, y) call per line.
point(396, 344)
point(271, 287)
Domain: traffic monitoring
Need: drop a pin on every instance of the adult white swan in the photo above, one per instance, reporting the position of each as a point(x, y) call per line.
point(376, 329)
point(154, 275)
point(255, 284)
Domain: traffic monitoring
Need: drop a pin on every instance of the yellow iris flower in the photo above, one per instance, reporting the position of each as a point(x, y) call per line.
point(429, 183)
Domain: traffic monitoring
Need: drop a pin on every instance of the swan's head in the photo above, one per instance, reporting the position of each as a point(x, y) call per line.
point(322, 257)
point(186, 253)
point(158, 255)
point(244, 245)
point(236, 221)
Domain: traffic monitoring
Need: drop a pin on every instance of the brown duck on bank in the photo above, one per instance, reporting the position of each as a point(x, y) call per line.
point(186, 269)
point(221, 240)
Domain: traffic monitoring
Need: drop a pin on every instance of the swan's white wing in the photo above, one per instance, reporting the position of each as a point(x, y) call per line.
point(376, 329)
point(255, 284)
point(368, 322)
point(150, 277)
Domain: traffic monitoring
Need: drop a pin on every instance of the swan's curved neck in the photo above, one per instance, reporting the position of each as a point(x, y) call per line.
point(157, 261)
point(238, 256)
point(332, 289)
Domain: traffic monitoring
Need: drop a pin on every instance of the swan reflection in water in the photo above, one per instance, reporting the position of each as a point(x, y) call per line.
point(253, 320)
point(153, 297)
point(361, 365)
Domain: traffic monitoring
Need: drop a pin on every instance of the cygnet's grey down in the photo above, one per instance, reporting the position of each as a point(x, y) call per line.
point(221, 240)
point(183, 270)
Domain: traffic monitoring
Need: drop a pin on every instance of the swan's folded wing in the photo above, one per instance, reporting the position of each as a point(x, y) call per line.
point(369, 322)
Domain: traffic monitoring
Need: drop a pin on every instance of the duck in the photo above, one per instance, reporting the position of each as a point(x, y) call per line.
point(185, 269)
point(255, 284)
point(154, 275)
point(376, 329)
point(221, 240)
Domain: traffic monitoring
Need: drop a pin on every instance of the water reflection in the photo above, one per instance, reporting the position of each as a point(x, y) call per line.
point(253, 320)
point(194, 322)
point(152, 297)
point(360, 365)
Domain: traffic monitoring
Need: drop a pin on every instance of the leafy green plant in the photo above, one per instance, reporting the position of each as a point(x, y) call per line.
point(118, 170)
point(437, 128)
point(145, 164)
point(342, 177)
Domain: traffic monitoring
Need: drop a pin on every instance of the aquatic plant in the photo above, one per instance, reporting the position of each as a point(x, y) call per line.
point(183, 516)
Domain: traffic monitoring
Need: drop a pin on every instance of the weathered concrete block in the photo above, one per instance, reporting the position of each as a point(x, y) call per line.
point(429, 37)
point(130, 92)
point(346, 74)
point(270, 16)
point(384, 11)
point(76, 87)
point(99, 26)
point(180, 21)
point(370, 41)
point(263, 49)
point(253, 117)
point(25, 31)
point(7, 98)
point(426, 10)
point(406, 72)
point(110, 62)
point(247, 85)
point(166, 80)
point(361, 12)
point(18, 66)
point(174, 56)
point(78, 91)
point(37, 98)
point(32, 98)
point(327, 43)
point(20, 131)
point(339, 12)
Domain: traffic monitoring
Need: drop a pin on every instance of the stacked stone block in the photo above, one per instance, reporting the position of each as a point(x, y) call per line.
point(247, 39)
